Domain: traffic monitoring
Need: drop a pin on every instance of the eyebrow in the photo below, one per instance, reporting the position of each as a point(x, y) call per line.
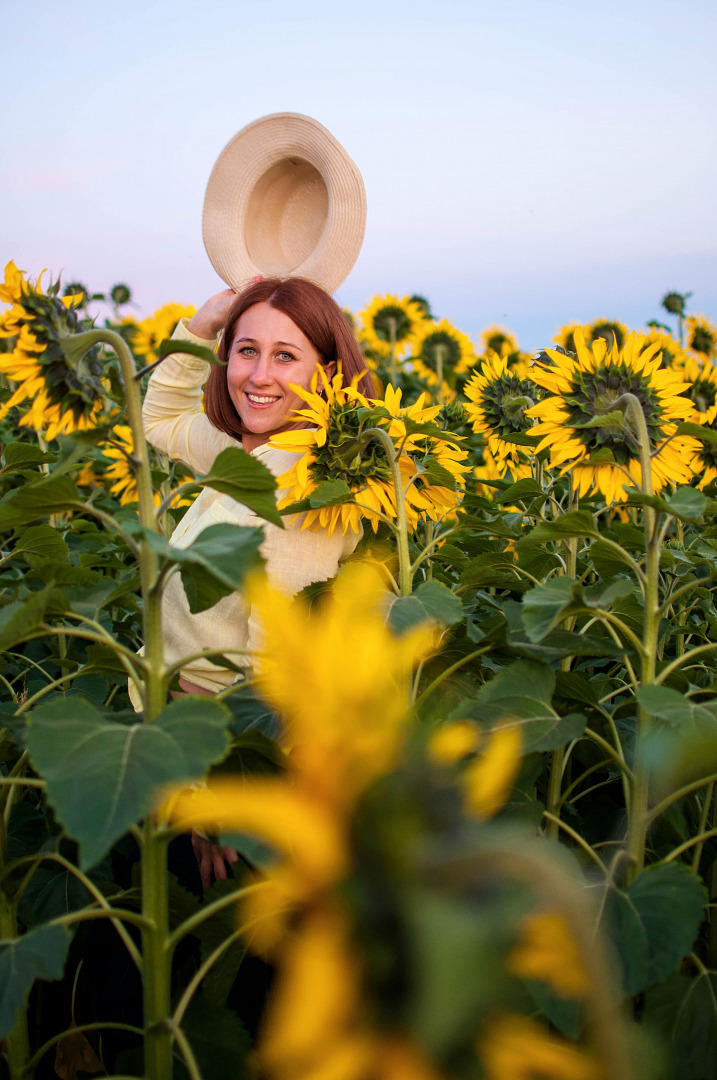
point(252, 341)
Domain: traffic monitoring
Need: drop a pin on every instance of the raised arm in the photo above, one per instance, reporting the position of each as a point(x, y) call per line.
point(172, 411)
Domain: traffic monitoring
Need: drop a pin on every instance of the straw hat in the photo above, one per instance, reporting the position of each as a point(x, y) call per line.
point(284, 198)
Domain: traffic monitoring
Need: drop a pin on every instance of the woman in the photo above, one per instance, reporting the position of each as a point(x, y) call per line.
point(275, 333)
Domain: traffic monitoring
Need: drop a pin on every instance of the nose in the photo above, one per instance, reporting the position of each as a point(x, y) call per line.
point(261, 373)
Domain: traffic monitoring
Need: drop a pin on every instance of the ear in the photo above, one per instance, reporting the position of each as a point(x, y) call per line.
point(330, 369)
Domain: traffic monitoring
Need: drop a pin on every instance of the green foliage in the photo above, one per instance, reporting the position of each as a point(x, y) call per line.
point(39, 954)
point(123, 765)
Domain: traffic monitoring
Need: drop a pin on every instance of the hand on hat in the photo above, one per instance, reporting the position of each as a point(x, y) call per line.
point(212, 315)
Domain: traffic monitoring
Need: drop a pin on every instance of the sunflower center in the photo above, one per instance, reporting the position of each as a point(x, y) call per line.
point(343, 457)
point(497, 340)
point(703, 340)
point(612, 333)
point(703, 393)
point(441, 344)
point(391, 320)
point(594, 394)
point(504, 402)
point(707, 454)
point(73, 387)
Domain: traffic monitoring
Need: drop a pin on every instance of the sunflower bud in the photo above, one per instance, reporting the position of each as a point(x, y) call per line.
point(674, 302)
point(120, 294)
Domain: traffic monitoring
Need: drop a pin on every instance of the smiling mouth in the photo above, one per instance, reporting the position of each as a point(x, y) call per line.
point(261, 399)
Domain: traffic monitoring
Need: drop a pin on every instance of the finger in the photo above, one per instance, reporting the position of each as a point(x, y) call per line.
point(220, 870)
point(230, 854)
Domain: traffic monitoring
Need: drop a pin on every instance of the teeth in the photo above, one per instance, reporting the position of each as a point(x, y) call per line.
point(261, 400)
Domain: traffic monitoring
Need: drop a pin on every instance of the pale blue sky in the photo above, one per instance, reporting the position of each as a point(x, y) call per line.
point(527, 162)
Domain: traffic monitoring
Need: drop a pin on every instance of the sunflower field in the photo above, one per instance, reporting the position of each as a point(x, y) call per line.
point(471, 782)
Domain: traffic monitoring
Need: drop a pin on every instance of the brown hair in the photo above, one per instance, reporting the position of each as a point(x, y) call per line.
point(316, 314)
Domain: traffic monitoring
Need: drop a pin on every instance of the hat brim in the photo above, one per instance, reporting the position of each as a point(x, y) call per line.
point(284, 199)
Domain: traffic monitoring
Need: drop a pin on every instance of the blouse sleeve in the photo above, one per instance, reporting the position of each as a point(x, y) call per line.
point(172, 413)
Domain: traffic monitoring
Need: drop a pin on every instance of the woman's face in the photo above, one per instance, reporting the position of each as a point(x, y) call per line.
point(268, 352)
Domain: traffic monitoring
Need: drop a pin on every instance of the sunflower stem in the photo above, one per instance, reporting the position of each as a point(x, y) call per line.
point(400, 529)
point(558, 759)
point(439, 352)
point(392, 353)
point(638, 815)
point(156, 950)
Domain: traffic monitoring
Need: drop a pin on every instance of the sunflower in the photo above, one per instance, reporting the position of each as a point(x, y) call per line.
point(704, 462)
point(65, 395)
point(497, 402)
point(498, 340)
point(589, 386)
point(441, 346)
point(390, 319)
point(333, 448)
point(701, 336)
point(614, 333)
point(150, 332)
point(702, 379)
point(670, 348)
point(565, 336)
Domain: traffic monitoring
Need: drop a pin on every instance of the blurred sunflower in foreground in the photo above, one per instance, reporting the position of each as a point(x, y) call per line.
point(586, 424)
point(65, 394)
point(346, 923)
point(338, 447)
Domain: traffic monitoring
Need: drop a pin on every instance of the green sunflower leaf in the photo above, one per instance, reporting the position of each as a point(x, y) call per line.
point(431, 600)
point(687, 503)
point(21, 618)
point(437, 475)
point(247, 480)
point(525, 489)
point(519, 696)
point(169, 346)
point(654, 922)
point(518, 439)
point(684, 1010)
point(699, 431)
point(41, 540)
point(615, 420)
point(215, 564)
point(672, 706)
point(38, 955)
point(119, 769)
point(50, 495)
point(330, 493)
point(575, 523)
point(545, 606)
point(493, 569)
point(19, 455)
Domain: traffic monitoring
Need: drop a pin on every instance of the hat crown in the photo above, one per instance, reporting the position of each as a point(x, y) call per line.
point(286, 216)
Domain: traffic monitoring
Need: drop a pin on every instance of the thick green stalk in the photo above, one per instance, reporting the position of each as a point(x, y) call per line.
point(17, 1043)
point(155, 883)
point(558, 758)
point(400, 529)
point(157, 958)
point(393, 367)
point(439, 353)
point(638, 810)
